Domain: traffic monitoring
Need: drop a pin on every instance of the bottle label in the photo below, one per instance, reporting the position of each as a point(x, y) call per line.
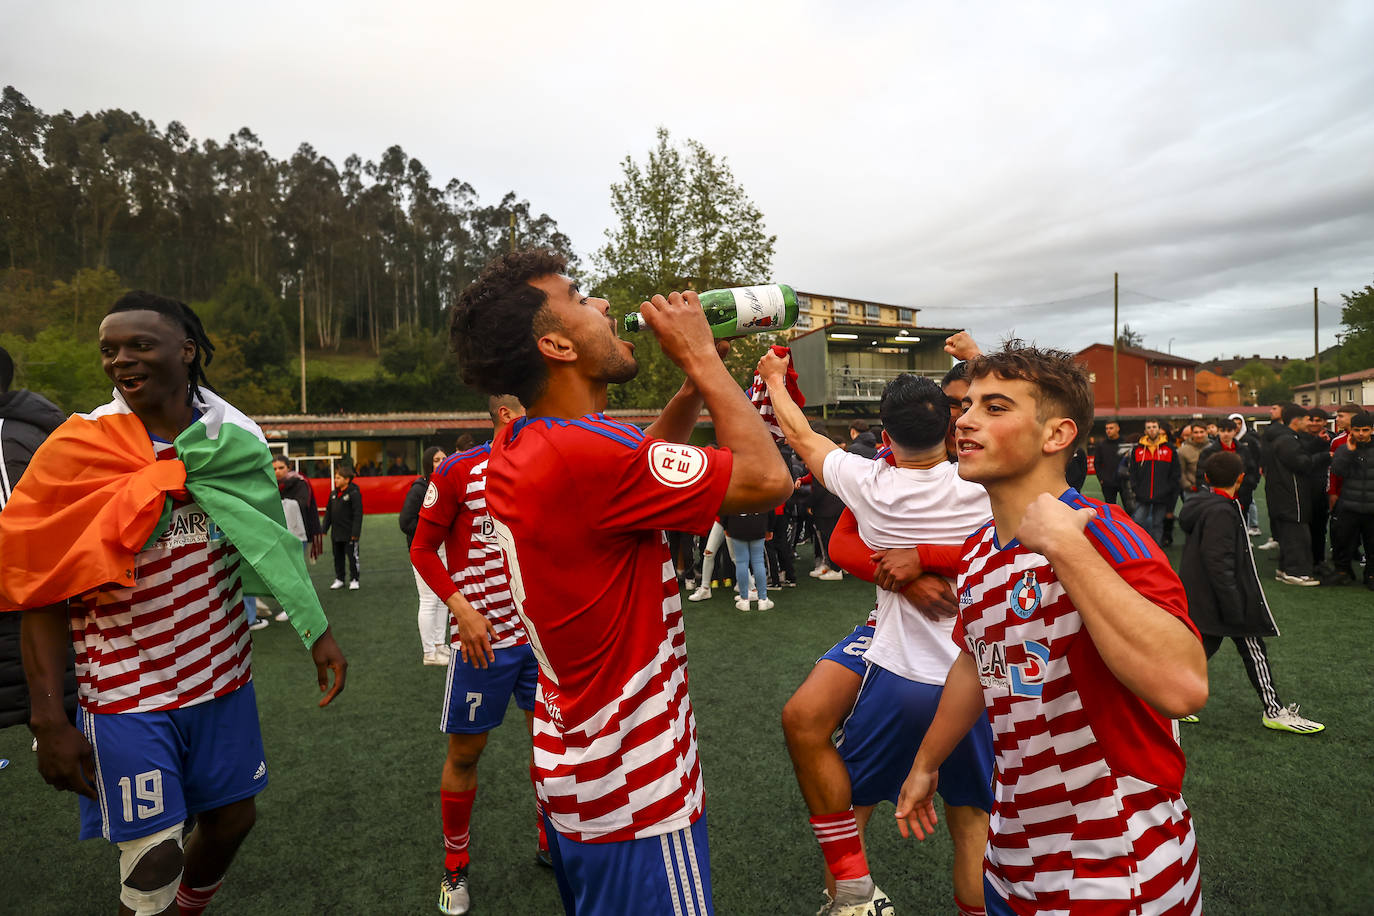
point(759, 307)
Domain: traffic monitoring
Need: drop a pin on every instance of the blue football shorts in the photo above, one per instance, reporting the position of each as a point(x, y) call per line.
point(668, 874)
point(850, 650)
point(475, 700)
point(155, 769)
point(879, 739)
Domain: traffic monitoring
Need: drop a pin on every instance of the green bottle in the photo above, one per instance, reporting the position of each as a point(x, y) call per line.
point(742, 310)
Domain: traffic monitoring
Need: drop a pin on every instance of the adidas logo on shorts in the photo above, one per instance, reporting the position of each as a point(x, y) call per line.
point(262, 770)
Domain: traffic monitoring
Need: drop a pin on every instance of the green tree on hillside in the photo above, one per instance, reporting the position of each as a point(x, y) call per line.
point(683, 222)
point(1357, 352)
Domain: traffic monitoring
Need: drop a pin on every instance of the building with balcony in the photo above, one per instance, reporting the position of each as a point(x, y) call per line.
point(842, 367)
point(1146, 378)
point(816, 310)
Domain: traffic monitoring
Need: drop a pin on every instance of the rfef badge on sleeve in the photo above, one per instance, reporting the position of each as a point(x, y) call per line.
point(677, 465)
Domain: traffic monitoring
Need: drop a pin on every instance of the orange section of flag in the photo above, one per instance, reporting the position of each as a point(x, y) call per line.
point(90, 500)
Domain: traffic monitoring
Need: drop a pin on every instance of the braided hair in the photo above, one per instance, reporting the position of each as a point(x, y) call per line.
point(180, 313)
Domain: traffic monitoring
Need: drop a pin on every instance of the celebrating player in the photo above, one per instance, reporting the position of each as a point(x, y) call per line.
point(1075, 638)
point(493, 660)
point(130, 536)
point(917, 499)
point(579, 503)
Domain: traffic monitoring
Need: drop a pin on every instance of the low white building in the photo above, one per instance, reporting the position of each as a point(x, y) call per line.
point(1353, 387)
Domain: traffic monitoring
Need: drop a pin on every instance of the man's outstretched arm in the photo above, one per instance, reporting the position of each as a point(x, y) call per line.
point(810, 446)
point(65, 759)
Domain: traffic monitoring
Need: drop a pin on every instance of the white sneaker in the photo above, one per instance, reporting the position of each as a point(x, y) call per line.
point(765, 604)
point(701, 594)
point(753, 594)
point(337, 583)
point(742, 604)
point(1295, 580)
point(818, 572)
point(831, 575)
point(281, 617)
point(443, 653)
point(434, 659)
point(876, 905)
point(259, 624)
point(354, 586)
point(1253, 532)
point(1268, 545)
point(1288, 720)
point(453, 892)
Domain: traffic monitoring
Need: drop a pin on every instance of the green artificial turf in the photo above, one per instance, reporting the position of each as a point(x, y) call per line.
point(350, 822)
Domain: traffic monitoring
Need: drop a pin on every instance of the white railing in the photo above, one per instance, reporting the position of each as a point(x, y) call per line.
point(867, 384)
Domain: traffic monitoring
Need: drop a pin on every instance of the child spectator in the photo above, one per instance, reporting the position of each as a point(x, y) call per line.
point(747, 534)
point(343, 521)
point(1224, 594)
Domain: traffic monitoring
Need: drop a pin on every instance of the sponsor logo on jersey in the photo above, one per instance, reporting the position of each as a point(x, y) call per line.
point(431, 495)
point(485, 530)
point(1025, 595)
point(966, 596)
point(186, 528)
point(1018, 668)
point(675, 465)
point(262, 770)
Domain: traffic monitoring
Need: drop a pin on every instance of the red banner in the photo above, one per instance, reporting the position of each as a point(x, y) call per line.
point(381, 495)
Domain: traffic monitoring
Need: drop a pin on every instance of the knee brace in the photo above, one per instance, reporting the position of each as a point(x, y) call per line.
point(150, 890)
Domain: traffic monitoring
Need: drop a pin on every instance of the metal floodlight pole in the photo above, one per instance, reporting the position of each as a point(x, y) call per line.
point(1316, 348)
point(1116, 307)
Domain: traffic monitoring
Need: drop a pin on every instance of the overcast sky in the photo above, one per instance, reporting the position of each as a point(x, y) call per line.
point(971, 159)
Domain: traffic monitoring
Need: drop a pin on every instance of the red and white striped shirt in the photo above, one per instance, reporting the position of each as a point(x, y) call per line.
point(1088, 816)
point(177, 637)
point(579, 508)
point(457, 500)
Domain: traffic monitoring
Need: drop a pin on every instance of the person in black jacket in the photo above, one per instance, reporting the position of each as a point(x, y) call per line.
point(747, 534)
point(1076, 474)
point(343, 522)
point(1227, 441)
point(432, 618)
point(1106, 461)
point(863, 441)
point(1224, 594)
point(26, 419)
point(1292, 457)
point(1354, 516)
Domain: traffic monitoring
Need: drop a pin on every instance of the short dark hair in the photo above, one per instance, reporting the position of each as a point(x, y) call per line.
point(344, 470)
point(860, 425)
point(496, 401)
point(498, 320)
point(180, 314)
point(957, 373)
point(1061, 384)
point(1316, 413)
point(914, 411)
point(1290, 412)
point(6, 370)
point(1362, 419)
point(1350, 408)
point(282, 459)
point(1223, 469)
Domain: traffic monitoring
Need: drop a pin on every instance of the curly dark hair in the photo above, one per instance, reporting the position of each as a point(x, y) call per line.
point(1061, 384)
point(915, 412)
point(497, 321)
point(180, 314)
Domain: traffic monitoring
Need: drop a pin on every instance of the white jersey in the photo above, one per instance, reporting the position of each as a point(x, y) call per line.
point(903, 507)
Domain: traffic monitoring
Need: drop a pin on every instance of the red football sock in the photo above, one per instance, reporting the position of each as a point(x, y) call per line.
point(838, 835)
point(456, 808)
point(192, 901)
point(968, 909)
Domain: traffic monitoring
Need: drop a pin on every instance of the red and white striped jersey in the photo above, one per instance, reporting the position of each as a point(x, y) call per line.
point(580, 507)
point(1088, 816)
point(177, 637)
point(457, 500)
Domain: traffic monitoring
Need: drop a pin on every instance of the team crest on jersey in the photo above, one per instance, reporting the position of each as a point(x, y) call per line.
point(675, 465)
point(431, 495)
point(1025, 595)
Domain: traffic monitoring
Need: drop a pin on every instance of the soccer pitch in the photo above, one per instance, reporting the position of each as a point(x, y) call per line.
point(350, 821)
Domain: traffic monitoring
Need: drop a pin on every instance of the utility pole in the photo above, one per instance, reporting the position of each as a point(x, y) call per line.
point(1116, 308)
point(1316, 349)
point(302, 300)
point(512, 230)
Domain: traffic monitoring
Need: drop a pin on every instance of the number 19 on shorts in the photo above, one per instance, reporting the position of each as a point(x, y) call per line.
point(146, 788)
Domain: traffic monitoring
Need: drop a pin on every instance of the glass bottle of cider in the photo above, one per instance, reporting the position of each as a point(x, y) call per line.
point(742, 310)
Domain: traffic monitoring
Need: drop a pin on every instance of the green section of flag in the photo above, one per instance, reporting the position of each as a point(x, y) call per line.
point(231, 478)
